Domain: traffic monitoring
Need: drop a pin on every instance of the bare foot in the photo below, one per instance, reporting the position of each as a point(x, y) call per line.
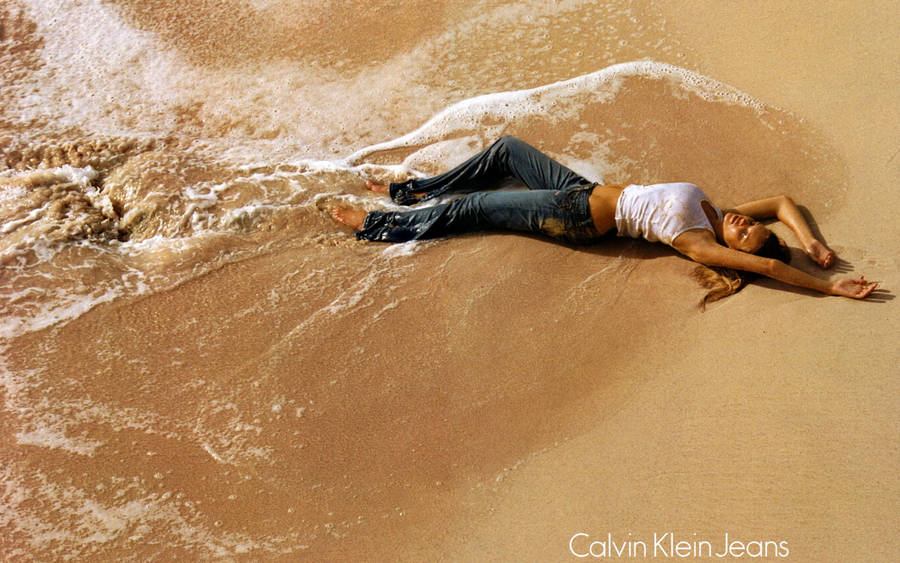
point(378, 188)
point(349, 216)
point(821, 254)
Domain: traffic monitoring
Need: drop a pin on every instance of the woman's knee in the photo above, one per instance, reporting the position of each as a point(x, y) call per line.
point(508, 141)
point(507, 146)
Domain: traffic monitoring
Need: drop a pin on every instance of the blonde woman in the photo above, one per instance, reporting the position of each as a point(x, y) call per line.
point(561, 204)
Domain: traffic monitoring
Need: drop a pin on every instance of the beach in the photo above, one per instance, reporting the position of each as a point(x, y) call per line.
point(198, 363)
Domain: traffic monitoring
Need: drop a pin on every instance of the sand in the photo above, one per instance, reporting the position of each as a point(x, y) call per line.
point(495, 398)
point(763, 420)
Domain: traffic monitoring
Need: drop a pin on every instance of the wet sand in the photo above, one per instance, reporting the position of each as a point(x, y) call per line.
point(324, 399)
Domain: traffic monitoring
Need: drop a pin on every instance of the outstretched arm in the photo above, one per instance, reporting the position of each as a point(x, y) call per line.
point(701, 247)
point(787, 212)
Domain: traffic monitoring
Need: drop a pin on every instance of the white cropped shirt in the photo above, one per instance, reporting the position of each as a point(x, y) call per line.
point(661, 212)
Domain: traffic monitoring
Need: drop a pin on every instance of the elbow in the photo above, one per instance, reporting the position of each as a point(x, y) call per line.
point(772, 267)
point(784, 202)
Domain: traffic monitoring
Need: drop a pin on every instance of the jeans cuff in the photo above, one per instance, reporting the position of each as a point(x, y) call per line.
point(400, 193)
point(363, 233)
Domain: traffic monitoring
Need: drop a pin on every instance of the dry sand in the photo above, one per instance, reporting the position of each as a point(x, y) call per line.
point(763, 420)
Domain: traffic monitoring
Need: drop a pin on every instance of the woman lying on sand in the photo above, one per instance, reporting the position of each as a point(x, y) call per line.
point(563, 205)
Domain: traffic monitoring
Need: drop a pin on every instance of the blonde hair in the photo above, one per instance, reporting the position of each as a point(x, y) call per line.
point(721, 282)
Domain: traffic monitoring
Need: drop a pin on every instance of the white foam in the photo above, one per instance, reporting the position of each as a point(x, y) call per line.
point(401, 249)
point(54, 438)
point(31, 217)
point(87, 45)
point(61, 308)
point(65, 176)
point(81, 523)
point(247, 215)
point(598, 87)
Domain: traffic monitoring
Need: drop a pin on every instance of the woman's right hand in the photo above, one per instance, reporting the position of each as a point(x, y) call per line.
point(821, 254)
point(857, 289)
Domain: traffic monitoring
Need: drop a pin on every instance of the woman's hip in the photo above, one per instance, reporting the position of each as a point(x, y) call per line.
point(559, 214)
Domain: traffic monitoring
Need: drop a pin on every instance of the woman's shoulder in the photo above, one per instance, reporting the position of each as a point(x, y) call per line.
point(695, 242)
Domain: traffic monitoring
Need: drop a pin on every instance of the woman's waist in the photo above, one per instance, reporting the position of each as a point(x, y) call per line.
point(603, 201)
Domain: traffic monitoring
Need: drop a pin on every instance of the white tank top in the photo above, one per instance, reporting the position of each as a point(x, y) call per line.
point(661, 212)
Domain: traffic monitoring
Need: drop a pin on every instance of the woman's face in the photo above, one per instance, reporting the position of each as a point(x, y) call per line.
point(743, 233)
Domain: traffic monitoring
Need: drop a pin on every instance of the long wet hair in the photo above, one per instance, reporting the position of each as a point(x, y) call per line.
point(722, 282)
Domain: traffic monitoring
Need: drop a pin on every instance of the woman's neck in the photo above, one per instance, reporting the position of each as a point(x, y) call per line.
point(713, 219)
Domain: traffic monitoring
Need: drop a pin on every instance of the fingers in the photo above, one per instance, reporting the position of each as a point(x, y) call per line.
point(868, 289)
point(864, 288)
point(855, 288)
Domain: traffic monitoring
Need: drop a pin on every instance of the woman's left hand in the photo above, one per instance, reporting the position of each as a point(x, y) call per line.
point(857, 289)
point(821, 254)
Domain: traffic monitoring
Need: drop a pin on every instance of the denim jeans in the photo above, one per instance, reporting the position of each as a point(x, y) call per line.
point(555, 205)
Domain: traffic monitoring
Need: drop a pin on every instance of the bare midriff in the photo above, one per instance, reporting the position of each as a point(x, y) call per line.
point(603, 202)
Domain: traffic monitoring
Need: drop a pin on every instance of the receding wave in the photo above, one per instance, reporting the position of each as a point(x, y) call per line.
point(121, 217)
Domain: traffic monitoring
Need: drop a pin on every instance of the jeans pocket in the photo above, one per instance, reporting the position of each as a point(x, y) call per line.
point(575, 208)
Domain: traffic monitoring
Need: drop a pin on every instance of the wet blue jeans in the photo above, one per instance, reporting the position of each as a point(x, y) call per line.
point(556, 203)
